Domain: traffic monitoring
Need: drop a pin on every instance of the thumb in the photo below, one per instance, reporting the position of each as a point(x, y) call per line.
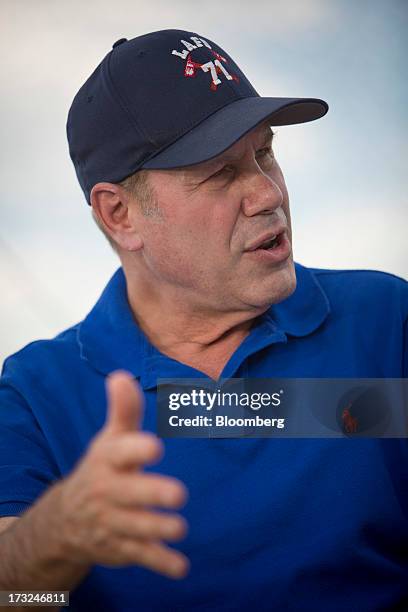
point(125, 403)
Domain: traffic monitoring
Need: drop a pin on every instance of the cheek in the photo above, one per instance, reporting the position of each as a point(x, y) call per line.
point(194, 236)
point(180, 251)
point(204, 234)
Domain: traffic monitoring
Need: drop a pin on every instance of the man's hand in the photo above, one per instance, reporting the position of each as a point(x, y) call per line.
point(107, 502)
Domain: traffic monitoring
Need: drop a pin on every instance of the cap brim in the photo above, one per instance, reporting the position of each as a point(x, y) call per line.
point(221, 130)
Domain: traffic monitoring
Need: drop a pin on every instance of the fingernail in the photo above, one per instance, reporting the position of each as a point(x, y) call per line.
point(180, 567)
point(175, 529)
point(170, 497)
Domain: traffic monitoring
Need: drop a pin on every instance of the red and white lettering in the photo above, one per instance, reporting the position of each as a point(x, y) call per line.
point(224, 70)
point(215, 67)
point(210, 66)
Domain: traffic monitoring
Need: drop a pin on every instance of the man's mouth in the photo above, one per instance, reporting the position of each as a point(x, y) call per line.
point(270, 244)
point(271, 248)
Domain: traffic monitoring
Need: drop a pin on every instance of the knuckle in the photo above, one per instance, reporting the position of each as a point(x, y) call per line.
point(147, 447)
point(101, 535)
point(99, 489)
point(151, 439)
point(144, 526)
point(153, 526)
point(131, 551)
point(98, 447)
point(150, 556)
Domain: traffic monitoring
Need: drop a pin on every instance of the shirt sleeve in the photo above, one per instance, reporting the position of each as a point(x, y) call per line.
point(27, 467)
point(405, 351)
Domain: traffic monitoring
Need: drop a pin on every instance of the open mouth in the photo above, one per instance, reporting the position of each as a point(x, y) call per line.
point(271, 243)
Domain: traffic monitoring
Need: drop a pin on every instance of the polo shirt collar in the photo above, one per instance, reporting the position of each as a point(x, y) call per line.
point(110, 339)
point(306, 309)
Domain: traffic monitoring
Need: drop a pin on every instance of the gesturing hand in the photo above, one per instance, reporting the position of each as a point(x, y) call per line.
point(107, 502)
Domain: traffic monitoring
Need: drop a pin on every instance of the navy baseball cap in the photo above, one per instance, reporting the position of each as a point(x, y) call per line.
point(167, 99)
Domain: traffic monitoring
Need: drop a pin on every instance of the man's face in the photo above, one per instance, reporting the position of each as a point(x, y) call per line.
point(199, 245)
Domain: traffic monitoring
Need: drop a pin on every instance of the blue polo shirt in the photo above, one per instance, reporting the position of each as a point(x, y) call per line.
point(289, 524)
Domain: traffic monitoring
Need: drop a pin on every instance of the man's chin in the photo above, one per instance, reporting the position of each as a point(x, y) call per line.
point(276, 287)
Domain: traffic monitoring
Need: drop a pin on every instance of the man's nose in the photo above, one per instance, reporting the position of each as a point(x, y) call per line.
point(262, 197)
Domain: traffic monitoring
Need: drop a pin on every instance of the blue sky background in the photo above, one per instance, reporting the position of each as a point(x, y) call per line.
point(346, 174)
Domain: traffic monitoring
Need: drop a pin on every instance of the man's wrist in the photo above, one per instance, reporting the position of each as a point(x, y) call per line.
point(60, 549)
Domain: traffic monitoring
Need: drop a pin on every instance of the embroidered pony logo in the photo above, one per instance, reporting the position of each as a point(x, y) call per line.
point(350, 423)
point(215, 67)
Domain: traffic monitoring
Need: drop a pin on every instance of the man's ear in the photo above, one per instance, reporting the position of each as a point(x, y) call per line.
point(111, 205)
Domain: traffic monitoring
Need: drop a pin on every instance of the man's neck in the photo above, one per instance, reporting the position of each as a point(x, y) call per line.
point(202, 339)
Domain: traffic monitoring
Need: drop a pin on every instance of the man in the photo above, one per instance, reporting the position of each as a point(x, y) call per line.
point(173, 149)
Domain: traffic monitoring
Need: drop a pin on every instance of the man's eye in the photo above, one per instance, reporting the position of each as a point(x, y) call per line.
point(265, 153)
point(225, 171)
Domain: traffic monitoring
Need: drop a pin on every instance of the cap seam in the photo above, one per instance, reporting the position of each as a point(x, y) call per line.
point(122, 103)
point(76, 159)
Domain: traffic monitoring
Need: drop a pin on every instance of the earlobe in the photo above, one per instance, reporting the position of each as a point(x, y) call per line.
point(131, 243)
